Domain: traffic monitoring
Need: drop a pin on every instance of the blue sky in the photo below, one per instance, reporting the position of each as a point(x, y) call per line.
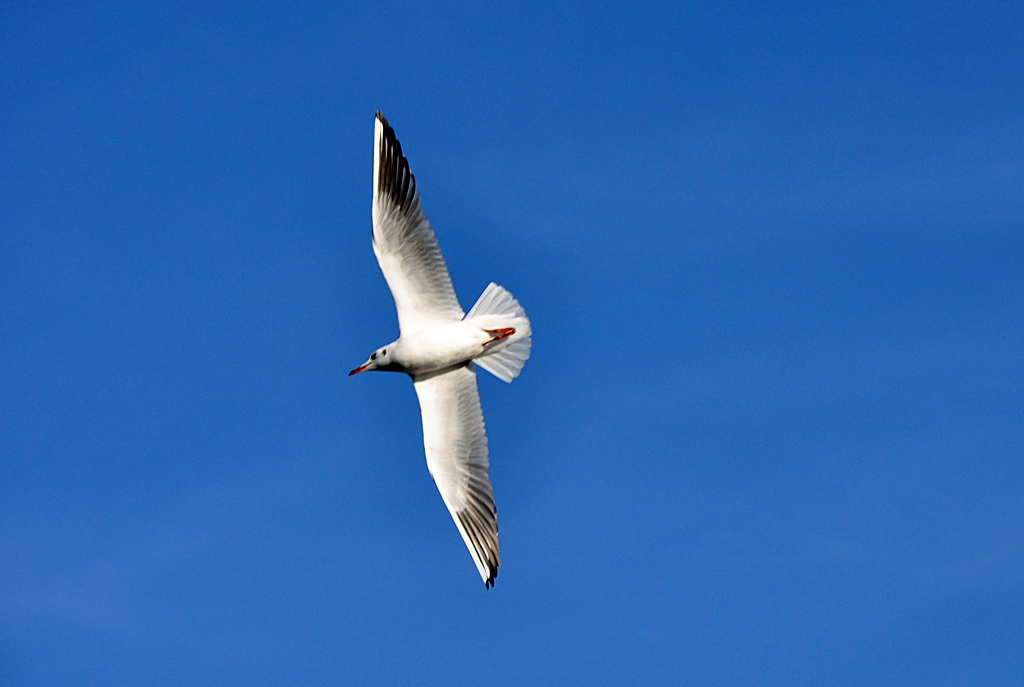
point(770, 432)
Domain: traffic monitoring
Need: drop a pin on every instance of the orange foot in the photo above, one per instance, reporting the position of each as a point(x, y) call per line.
point(499, 334)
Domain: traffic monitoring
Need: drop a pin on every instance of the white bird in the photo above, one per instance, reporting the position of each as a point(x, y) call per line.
point(439, 347)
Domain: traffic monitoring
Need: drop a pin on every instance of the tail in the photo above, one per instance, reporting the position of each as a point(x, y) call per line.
point(496, 309)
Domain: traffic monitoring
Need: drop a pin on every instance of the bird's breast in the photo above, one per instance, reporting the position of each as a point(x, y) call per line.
point(439, 346)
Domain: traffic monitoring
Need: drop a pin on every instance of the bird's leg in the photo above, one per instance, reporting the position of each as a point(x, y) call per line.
point(499, 334)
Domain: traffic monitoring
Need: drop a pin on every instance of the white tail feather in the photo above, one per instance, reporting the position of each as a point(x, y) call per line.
point(495, 309)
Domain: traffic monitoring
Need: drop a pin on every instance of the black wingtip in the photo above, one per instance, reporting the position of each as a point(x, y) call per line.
point(394, 180)
point(492, 570)
point(389, 135)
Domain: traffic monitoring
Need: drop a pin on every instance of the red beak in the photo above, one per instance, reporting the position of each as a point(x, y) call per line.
point(358, 369)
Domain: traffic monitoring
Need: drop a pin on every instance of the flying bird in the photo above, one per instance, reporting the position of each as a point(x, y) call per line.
point(440, 347)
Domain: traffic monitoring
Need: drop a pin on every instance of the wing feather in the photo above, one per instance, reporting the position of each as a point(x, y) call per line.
point(403, 241)
point(456, 448)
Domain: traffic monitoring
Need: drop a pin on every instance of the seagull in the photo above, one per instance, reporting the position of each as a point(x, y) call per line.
point(440, 347)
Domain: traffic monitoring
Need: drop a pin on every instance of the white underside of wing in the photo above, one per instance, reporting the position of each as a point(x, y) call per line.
point(456, 448)
point(404, 242)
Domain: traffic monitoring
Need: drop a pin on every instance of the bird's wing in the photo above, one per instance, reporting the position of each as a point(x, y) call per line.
point(403, 241)
point(456, 447)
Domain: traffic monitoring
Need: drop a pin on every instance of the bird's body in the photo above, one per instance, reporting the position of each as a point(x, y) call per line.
point(440, 348)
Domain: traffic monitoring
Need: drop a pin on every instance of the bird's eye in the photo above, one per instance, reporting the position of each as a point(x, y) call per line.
point(373, 357)
point(384, 352)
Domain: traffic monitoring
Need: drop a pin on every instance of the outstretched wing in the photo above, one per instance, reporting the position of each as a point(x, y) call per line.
point(456, 447)
point(403, 241)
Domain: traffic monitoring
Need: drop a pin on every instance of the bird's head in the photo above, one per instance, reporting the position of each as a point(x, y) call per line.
point(381, 359)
